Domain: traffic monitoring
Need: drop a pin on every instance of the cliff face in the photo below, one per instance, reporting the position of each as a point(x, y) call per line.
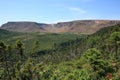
point(79, 26)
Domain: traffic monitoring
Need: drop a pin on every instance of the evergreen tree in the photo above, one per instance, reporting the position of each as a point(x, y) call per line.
point(97, 62)
point(5, 60)
point(114, 41)
point(35, 46)
point(20, 47)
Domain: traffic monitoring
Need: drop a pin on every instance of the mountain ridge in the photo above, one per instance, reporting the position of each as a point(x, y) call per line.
point(76, 26)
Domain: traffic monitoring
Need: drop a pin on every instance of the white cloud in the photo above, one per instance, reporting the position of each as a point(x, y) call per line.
point(79, 10)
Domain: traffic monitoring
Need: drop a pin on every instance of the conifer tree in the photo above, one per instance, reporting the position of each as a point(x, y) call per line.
point(4, 60)
point(115, 42)
point(20, 47)
point(35, 47)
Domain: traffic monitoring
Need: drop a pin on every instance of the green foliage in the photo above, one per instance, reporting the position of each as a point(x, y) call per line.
point(46, 40)
point(2, 45)
point(96, 60)
point(115, 36)
point(20, 47)
point(114, 42)
point(61, 56)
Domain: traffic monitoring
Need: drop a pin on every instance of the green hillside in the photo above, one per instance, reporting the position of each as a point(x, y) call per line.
point(46, 41)
point(5, 35)
point(69, 57)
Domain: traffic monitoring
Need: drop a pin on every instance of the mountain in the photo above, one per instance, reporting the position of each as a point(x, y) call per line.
point(78, 26)
point(89, 57)
point(24, 26)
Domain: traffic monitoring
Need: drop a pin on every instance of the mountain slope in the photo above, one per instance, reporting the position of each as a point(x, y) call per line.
point(46, 41)
point(24, 26)
point(75, 48)
point(97, 61)
point(7, 35)
point(79, 26)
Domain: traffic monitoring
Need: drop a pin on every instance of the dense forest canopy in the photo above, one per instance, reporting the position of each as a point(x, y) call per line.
point(77, 57)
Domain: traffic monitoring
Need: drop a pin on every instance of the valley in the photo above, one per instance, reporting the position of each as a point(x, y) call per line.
point(60, 55)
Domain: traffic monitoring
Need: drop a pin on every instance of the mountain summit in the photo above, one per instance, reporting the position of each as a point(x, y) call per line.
point(78, 26)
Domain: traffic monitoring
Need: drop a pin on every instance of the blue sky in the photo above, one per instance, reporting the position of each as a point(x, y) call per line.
point(52, 11)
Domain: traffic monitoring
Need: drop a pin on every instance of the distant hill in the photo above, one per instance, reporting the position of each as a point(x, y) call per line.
point(24, 26)
point(78, 26)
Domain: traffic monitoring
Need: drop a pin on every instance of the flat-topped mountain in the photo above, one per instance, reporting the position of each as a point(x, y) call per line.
point(24, 26)
point(78, 26)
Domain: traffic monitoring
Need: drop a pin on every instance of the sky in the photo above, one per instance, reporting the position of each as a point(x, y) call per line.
point(53, 11)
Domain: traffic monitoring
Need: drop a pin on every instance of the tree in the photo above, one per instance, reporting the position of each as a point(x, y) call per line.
point(20, 47)
point(35, 46)
point(114, 40)
point(2, 50)
point(95, 59)
point(4, 60)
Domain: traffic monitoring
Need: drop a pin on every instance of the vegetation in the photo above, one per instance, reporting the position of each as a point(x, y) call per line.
point(45, 40)
point(70, 57)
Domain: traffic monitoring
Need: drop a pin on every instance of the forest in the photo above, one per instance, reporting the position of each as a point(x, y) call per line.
point(65, 56)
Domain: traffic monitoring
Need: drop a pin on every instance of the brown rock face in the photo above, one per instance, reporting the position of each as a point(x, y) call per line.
point(79, 26)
